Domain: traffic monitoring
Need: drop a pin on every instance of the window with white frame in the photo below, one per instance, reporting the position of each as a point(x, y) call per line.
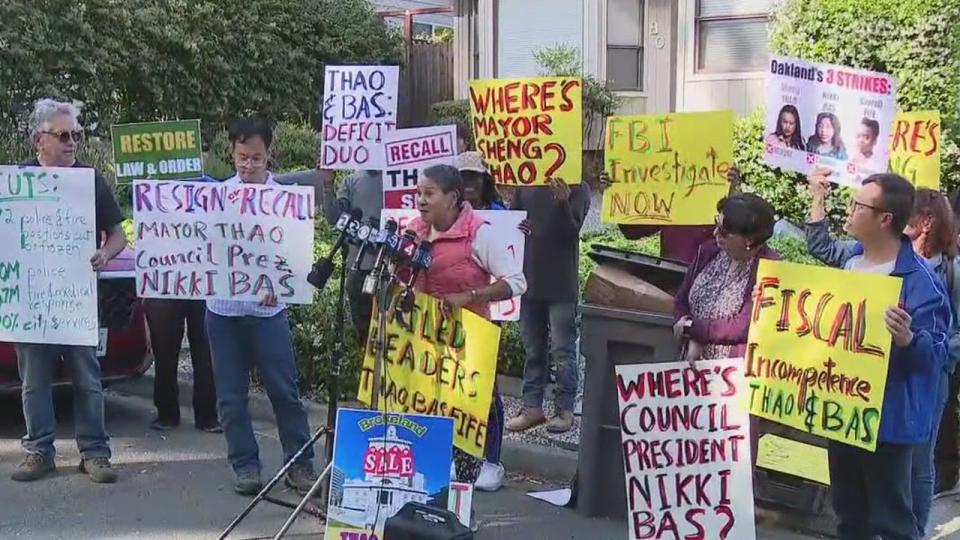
point(625, 44)
point(731, 35)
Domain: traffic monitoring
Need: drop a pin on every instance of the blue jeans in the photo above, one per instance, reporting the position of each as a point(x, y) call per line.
point(540, 320)
point(872, 492)
point(38, 365)
point(237, 345)
point(923, 470)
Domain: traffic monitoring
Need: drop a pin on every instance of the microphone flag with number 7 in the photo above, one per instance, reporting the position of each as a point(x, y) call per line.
point(436, 365)
point(818, 350)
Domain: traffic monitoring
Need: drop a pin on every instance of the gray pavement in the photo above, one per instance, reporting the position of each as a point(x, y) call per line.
point(177, 485)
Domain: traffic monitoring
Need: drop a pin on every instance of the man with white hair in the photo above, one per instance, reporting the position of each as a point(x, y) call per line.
point(56, 133)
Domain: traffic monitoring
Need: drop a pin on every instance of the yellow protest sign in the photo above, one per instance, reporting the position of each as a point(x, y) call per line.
point(818, 350)
point(437, 365)
point(668, 169)
point(915, 148)
point(793, 457)
point(529, 130)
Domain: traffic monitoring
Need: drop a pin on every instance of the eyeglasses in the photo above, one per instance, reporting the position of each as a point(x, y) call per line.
point(65, 136)
point(252, 162)
point(857, 204)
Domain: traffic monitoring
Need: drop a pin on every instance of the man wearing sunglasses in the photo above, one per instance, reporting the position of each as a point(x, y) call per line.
point(872, 490)
point(56, 134)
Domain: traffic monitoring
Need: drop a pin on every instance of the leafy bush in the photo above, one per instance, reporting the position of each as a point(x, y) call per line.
point(918, 42)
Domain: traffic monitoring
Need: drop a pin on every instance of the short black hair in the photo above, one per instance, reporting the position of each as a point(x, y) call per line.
point(896, 197)
point(447, 177)
point(249, 127)
point(748, 215)
point(873, 126)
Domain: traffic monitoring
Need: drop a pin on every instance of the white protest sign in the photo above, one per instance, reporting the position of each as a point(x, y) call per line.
point(460, 501)
point(505, 224)
point(828, 115)
point(359, 108)
point(409, 151)
point(686, 450)
point(226, 241)
point(48, 289)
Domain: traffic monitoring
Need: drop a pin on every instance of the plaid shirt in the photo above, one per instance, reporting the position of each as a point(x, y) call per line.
point(241, 308)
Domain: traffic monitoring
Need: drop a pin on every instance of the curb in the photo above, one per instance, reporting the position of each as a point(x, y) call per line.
point(540, 462)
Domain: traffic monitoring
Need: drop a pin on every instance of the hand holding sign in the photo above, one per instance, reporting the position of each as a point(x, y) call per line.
point(898, 323)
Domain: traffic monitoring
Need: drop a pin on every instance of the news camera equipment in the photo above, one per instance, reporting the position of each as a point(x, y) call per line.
point(388, 241)
point(421, 260)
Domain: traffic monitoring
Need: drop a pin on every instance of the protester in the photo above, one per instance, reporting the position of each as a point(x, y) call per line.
point(948, 439)
point(827, 141)
point(466, 258)
point(555, 214)
point(246, 334)
point(713, 305)
point(678, 242)
point(788, 132)
point(56, 133)
point(931, 230)
point(872, 491)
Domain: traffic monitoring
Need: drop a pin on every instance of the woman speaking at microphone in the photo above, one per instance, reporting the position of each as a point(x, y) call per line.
point(470, 270)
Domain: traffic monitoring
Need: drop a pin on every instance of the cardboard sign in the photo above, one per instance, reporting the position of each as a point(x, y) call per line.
point(48, 290)
point(225, 241)
point(915, 148)
point(437, 365)
point(409, 151)
point(686, 450)
point(529, 130)
point(667, 171)
point(794, 457)
point(828, 115)
point(818, 350)
point(157, 150)
point(381, 462)
point(359, 108)
point(506, 229)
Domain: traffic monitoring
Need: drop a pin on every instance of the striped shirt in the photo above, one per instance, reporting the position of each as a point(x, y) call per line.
point(242, 308)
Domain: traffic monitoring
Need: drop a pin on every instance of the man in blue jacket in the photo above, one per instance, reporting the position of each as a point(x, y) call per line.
point(871, 490)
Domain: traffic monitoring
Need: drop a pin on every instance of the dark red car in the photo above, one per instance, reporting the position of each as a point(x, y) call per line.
point(124, 349)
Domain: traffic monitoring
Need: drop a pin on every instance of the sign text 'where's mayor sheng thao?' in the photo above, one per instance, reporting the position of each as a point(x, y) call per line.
point(225, 241)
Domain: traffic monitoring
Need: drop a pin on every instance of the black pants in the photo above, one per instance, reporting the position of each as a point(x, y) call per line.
point(948, 440)
point(166, 319)
point(361, 306)
point(871, 492)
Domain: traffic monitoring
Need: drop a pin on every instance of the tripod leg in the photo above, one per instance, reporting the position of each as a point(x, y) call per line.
point(306, 498)
point(273, 481)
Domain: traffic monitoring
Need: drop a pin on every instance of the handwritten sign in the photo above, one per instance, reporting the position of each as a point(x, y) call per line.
point(208, 240)
point(380, 463)
point(409, 151)
point(793, 457)
point(437, 365)
point(48, 290)
point(506, 229)
point(157, 150)
point(359, 108)
point(666, 171)
point(915, 148)
point(818, 350)
point(686, 450)
point(828, 115)
point(529, 130)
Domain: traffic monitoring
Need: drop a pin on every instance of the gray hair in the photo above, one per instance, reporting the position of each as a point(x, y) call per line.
point(45, 110)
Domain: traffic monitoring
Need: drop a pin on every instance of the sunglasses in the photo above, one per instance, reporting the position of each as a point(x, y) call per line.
point(65, 136)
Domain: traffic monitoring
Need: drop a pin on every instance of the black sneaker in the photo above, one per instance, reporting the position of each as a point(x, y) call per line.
point(33, 467)
point(161, 424)
point(248, 483)
point(301, 477)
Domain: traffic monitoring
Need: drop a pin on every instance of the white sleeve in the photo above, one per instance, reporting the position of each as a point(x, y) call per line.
point(493, 257)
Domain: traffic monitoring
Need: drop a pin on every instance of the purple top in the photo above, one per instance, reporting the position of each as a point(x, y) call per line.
point(677, 242)
point(728, 331)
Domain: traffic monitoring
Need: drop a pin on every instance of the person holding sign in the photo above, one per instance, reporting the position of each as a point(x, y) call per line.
point(931, 231)
point(56, 134)
point(872, 491)
point(244, 335)
point(465, 258)
point(712, 307)
point(478, 187)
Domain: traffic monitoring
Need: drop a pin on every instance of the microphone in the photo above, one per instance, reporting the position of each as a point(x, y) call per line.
point(388, 241)
point(366, 235)
point(421, 260)
point(323, 268)
point(408, 246)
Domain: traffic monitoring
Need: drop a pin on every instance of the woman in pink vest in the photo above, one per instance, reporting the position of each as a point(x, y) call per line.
point(470, 267)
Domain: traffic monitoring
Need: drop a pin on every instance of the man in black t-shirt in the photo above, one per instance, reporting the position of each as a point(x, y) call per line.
point(56, 134)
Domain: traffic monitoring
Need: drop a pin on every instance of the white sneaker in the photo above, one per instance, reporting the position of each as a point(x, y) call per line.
point(491, 477)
